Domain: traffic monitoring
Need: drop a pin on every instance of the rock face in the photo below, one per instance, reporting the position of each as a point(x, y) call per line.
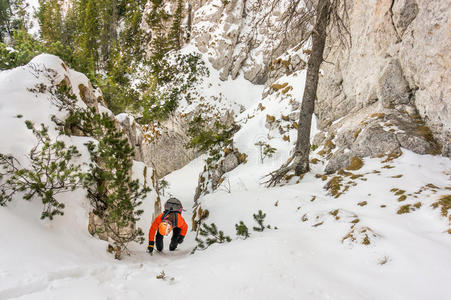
point(134, 134)
point(404, 12)
point(166, 150)
point(246, 36)
point(399, 57)
point(163, 147)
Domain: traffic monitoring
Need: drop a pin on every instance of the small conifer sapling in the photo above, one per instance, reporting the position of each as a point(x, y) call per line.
point(265, 150)
point(209, 235)
point(259, 218)
point(242, 230)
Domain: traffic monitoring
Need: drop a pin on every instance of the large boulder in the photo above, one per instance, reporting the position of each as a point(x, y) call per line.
point(386, 132)
point(392, 87)
point(373, 141)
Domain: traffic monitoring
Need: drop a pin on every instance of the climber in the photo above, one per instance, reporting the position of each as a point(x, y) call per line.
point(169, 220)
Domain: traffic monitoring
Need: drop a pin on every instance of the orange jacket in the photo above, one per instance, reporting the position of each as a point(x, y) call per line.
point(180, 224)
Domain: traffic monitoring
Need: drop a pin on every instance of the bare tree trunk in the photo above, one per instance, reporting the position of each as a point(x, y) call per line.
point(334, 12)
point(302, 149)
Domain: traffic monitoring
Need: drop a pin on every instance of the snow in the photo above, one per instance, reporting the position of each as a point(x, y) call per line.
point(408, 259)
point(18, 104)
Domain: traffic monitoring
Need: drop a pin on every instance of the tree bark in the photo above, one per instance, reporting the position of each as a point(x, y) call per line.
point(302, 149)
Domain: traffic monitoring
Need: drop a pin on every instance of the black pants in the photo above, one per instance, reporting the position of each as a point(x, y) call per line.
point(174, 240)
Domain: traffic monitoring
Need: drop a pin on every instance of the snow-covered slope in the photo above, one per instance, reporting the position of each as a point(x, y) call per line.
point(355, 246)
point(36, 252)
point(376, 237)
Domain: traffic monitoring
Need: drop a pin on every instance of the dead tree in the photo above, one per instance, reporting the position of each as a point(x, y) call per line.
point(330, 16)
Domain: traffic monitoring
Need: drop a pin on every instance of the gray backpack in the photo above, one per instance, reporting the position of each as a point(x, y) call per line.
point(173, 204)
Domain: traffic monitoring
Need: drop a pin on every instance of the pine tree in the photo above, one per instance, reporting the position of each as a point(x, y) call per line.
point(51, 172)
point(265, 150)
point(5, 16)
point(242, 230)
point(259, 218)
point(175, 32)
point(211, 235)
point(25, 48)
point(88, 39)
point(20, 11)
point(50, 20)
point(108, 11)
point(159, 45)
point(13, 16)
point(133, 39)
point(70, 27)
point(114, 196)
point(116, 84)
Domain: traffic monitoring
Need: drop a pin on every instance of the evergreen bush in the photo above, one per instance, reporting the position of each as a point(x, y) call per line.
point(51, 172)
point(163, 185)
point(169, 80)
point(242, 230)
point(213, 140)
point(114, 196)
point(13, 16)
point(24, 47)
point(265, 150)
point(259, 218)
point(210, 235)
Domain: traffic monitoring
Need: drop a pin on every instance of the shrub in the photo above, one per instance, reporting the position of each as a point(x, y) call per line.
point(265, 150)
point(334, 186)
point(25, 47)
point(211, 235)
point(242, 230)
point(444, 203)
point(404, 209)
point(168, 81)
point(52, 172)
point(203, 138)
point(114, 196)
point(355, 164)
point(259, 218)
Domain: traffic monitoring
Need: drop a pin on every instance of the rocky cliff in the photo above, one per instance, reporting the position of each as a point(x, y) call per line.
point(246, 36)
point(396, 65)
point(387, 88)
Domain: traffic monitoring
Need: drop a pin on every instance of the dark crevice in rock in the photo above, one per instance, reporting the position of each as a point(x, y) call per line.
point(398, 37)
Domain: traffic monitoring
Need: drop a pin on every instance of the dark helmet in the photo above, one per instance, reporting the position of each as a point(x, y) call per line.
point(173, 204)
